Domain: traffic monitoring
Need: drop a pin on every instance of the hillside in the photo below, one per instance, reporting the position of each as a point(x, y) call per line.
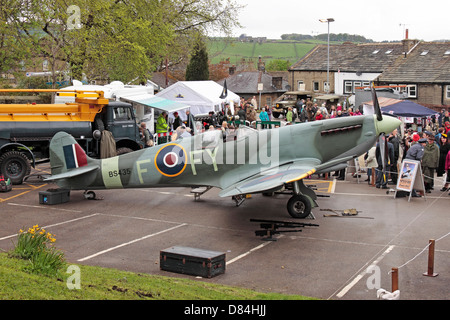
point(289, 50)
point(219, 49)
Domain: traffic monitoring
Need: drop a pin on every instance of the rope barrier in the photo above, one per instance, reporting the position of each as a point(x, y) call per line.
point(442, 179)
point(426, 247)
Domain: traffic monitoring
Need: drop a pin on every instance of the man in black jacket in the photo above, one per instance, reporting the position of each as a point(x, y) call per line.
point(395, 140)
point(381, 179)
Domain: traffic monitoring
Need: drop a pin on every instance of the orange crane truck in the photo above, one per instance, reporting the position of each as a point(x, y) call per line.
point(26, 129)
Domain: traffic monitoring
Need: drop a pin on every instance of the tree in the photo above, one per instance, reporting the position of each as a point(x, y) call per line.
point(198, 68)
point(113, 39)
point(278, 65)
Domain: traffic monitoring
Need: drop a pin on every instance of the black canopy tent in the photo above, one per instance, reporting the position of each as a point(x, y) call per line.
point(407, 108)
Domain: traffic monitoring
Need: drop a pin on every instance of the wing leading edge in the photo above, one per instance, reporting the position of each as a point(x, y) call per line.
point(272, 178)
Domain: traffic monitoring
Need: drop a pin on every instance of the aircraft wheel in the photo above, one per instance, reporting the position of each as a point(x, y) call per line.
point(89, 195)
point(299, 207)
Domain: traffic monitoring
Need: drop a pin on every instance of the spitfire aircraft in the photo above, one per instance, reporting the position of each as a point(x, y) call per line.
point(248, 162)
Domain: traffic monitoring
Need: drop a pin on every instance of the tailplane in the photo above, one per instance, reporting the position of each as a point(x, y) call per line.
point(68, 159)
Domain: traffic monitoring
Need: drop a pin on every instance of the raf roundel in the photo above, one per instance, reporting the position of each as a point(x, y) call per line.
point(171, 160)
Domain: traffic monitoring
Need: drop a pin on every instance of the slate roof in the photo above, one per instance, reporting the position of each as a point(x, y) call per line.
point(247, 82)
point(370, 57)
point(429, 62)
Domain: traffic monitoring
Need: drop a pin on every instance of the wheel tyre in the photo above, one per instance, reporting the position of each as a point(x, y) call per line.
point(15, 166)
point(89, 195)
point(299, 207)
point(123, 150)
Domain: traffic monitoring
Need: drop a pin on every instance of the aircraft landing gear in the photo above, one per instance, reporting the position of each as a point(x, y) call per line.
point(238, 199)
point(300, 204)
point(90, 195)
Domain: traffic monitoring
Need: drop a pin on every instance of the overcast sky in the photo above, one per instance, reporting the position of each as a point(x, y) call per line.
point(374, 19)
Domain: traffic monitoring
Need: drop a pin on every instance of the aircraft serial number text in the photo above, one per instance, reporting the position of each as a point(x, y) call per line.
point(122, 172)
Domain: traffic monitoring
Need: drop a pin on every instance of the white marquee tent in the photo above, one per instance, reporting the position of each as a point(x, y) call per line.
point(200, 96)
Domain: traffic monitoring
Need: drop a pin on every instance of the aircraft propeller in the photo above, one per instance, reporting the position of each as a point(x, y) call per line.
point(376, 105)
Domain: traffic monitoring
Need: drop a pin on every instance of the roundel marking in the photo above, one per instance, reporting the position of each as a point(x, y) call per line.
point(170, 160)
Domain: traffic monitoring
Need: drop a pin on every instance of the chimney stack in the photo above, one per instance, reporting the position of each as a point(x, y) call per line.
point(406, 35)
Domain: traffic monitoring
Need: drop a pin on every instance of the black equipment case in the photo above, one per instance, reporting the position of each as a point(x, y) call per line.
point(192, 261)
point(54, 196)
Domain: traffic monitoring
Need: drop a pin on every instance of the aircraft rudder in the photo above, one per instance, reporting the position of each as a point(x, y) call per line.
point(66, 153)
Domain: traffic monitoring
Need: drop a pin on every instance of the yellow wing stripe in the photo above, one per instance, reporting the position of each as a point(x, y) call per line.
point(310, 172)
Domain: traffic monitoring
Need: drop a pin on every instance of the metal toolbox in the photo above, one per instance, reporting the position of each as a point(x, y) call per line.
point(192, 261)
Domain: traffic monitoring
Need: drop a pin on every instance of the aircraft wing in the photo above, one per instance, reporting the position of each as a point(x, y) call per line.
point(272, 178)
point(72, 173)
point(276, 177)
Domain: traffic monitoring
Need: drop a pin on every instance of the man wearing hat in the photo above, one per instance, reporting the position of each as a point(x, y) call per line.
point(415, 152)
point(430, 161)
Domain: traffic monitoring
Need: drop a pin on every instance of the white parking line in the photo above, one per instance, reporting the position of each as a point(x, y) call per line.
point(249, 251)
point(130, 242)
point(42, 207)
point(55, 224)
point(363, 273)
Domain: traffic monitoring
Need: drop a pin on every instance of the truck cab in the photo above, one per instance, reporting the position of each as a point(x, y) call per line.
point(119, 119)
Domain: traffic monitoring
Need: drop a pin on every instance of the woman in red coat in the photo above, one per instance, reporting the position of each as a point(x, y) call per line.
point(447, 168)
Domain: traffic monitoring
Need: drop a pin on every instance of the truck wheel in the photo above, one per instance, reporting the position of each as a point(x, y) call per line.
point(98, 124)
point(123, 150)
point(299, 206)
point(15, 166)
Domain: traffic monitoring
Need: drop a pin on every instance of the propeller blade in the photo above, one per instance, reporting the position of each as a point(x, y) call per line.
point(376, 106)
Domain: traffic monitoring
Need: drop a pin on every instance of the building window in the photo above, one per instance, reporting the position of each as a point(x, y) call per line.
point(316, 86)
point(447, 90)
point(351, 85)
point(348, 87)
point(410, 89)
point(326, 86)
point(300, 85)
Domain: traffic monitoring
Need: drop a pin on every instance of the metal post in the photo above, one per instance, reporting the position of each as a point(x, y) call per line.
point(394, 279)
point(430, 272)
point(328, 59)
point(328, 20)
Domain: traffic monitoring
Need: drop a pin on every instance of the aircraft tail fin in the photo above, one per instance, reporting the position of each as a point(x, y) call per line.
point(67, 158)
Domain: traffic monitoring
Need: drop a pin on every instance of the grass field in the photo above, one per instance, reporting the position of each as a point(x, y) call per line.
point(292, 51)
point(110, 284)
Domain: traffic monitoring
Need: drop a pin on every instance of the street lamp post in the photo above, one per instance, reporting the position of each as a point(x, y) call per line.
point(328, 20)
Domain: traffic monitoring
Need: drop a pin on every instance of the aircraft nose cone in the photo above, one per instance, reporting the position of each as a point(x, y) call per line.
point(387, 125)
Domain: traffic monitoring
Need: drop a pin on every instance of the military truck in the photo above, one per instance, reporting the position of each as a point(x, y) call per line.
point(26, 129)
point(288, 99)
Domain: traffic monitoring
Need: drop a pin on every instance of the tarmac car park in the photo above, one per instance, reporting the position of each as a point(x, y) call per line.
point(344, 258)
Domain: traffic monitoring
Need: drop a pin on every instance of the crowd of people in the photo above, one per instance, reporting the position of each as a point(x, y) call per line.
point(431, 148)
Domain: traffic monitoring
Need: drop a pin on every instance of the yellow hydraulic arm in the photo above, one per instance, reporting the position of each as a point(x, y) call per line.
point(87, 104)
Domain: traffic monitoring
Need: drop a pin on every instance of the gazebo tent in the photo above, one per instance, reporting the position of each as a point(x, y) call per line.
point(407, 108)
point(402, 108)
